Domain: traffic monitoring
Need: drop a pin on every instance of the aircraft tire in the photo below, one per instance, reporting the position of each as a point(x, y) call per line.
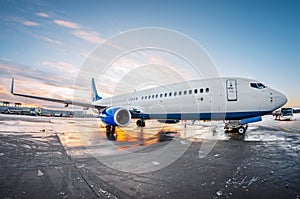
point(241, 130)
point(140, 123)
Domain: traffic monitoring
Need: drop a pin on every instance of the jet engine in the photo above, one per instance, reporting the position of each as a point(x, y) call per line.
point(116, 116)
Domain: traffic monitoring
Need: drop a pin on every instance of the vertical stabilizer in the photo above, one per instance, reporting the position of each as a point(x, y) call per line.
point(95, 95)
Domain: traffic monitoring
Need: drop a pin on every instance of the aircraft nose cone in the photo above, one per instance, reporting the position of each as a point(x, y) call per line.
point(281, 100)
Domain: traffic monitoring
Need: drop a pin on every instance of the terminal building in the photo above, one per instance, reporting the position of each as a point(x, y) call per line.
point(17, 109)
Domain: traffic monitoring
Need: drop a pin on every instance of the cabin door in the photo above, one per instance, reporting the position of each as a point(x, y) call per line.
point(231, 88)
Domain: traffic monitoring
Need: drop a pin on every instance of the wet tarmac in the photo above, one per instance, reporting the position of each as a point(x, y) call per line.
point(72, 158)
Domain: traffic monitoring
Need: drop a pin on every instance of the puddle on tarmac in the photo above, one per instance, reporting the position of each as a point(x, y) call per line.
point(90, 132)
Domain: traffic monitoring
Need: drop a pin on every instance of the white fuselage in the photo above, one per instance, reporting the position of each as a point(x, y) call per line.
point(216, 98)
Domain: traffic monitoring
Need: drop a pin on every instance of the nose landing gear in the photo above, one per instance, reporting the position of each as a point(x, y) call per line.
point(237, 126)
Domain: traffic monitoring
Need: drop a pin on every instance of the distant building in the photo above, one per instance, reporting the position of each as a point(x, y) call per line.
point(6, 108)
point(18, 104)
point(6, 103)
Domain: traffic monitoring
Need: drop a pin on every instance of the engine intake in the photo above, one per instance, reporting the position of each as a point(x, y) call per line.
point(116, 116)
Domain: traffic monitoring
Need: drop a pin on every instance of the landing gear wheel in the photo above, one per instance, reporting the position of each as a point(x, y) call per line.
point(110, 132)
point(140, 123)
point(241, 130)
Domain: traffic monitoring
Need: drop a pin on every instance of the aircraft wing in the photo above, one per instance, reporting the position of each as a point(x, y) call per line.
point(66, 102)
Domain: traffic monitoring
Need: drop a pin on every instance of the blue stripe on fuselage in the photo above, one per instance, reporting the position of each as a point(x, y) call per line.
point(203, 116)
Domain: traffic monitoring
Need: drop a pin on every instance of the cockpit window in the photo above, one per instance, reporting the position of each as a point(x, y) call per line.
point(261, 86)
point(253, 85)
point(257, 85)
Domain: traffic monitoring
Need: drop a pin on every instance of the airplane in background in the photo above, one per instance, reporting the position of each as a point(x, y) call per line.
point(239, 101)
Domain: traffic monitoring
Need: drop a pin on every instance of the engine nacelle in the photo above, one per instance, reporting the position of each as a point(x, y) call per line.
point(116, 116)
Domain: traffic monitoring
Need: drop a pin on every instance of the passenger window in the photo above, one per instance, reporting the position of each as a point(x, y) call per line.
point(161, 95)
point(195, 91)
point(170, 94)
point(180, 92)
point(207, 90)
point(166, 94)
point(152, 96)
point(156, 96)
point(149, 97)
point(184, 92)
point(201, 90)
point(142, 98)
point(190, 91)
point(175, 93)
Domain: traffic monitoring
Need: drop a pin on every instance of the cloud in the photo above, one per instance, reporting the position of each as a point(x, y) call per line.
point(3, 90)
point(80, 32)
point(29, 73)
point(47, 39)
point(32, 80)
point(30, 23)
point(61, 66)
point(24, 21)
point(42, 14)
point(50, 40)
point(66, 24)
point(88, 36)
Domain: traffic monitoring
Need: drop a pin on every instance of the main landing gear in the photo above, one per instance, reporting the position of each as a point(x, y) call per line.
point(140, 123)
point(237, 126)
point(110, 132)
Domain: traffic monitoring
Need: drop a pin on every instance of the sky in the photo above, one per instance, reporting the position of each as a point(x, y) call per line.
point(45, 43)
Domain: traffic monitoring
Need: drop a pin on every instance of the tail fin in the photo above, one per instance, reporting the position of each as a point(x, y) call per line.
point(95, 95)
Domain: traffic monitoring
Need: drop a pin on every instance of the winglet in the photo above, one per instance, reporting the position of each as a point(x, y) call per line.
point(12, 86)
point(95, 95)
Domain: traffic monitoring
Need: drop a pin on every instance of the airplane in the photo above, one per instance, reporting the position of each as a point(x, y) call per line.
point(239, 101)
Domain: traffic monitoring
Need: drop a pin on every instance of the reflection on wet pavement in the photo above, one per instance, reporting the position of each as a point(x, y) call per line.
point(91, 132)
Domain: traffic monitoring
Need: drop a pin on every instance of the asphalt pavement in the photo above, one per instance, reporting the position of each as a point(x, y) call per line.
point(72, 158)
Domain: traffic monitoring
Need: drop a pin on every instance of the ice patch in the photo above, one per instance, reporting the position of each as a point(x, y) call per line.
point(219, 193)
point(40, 173)
point(155, 163)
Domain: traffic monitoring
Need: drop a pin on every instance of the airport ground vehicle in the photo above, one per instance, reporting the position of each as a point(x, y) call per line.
point(286, 113)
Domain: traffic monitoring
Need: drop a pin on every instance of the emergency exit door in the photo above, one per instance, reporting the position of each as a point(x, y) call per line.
point(231, 88)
